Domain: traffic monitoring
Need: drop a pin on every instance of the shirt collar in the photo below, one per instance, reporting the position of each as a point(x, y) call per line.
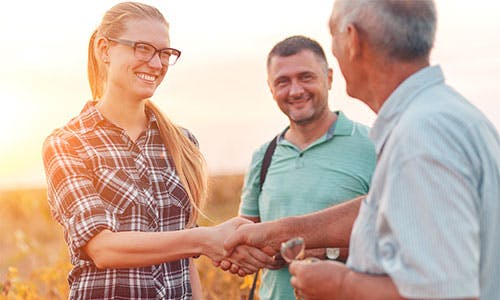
point(400, 100)
point(91, 117)
point(341, 126)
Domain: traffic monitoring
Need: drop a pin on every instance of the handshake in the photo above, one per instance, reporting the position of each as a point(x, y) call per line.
point(241, 247)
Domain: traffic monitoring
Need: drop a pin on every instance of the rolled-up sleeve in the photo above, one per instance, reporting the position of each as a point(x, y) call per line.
point(72, 196)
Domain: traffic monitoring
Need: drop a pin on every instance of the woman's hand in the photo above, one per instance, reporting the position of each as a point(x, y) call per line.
point(245, 255)
point(244, 260)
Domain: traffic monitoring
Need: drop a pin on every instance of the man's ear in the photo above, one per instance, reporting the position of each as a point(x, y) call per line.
point(329, 77)
point(270, 86)
point(353, 42)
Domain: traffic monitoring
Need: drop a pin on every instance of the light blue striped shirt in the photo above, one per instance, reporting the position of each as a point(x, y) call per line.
point(431, 220)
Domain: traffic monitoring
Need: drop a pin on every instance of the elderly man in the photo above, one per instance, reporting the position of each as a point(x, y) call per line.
point(429, 227)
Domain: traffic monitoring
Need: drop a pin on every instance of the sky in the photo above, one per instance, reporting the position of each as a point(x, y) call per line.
point(218, 88)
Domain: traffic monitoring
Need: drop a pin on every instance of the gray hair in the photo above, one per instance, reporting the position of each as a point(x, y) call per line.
point(401, 29)
point(295, 44)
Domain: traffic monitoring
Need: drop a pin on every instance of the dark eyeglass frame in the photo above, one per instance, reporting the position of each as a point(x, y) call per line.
point(171, 51)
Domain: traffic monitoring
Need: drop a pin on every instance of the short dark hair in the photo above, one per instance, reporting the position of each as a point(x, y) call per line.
point(295, 44)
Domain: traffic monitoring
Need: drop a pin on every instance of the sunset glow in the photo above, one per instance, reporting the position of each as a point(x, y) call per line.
point(218, 88)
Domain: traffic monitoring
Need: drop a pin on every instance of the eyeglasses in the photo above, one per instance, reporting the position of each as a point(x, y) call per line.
point(294, 249)
point(145, 52)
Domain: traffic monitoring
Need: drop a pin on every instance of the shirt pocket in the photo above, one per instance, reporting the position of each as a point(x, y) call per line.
point(116, 188)
point(173, 202)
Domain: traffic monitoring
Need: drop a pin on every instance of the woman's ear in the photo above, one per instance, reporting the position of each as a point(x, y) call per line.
point(102, 49)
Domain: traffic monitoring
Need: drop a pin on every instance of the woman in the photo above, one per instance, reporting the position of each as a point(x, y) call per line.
point(126, 183)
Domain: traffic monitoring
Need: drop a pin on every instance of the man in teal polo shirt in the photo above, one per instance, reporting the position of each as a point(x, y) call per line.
point(321, 159)
point(429, 227)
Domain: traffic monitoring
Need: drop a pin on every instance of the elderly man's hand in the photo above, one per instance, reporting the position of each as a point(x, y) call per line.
point(244, 256)
point(318, 280)
point(263, 236)
point(244, 259)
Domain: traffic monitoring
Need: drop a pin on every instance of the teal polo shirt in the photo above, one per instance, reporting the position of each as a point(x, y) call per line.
point(336, 167)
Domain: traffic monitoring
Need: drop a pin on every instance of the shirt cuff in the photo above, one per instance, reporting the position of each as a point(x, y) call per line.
point(83, 226)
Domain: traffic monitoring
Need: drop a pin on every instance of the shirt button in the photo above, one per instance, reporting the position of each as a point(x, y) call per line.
point(153, 226)
point(299, 164)
point(387, 250)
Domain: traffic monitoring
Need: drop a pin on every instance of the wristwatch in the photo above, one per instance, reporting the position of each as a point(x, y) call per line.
point(332, 253)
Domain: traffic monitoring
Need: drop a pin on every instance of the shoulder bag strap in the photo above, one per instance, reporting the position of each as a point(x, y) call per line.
point(266, 162)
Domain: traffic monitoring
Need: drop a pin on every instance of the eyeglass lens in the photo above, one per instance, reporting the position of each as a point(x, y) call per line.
point(146, 52)
point(293, 249)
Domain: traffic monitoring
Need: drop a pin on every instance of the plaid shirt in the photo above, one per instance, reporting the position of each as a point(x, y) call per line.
point(98, 178)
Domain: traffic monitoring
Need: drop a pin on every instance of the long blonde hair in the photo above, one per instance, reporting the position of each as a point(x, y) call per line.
point(187, 158)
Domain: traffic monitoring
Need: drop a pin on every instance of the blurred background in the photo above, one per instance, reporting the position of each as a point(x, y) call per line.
point(218, 88)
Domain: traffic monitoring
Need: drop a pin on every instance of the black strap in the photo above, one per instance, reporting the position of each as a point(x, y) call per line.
point(266, 162)
point(254, 283)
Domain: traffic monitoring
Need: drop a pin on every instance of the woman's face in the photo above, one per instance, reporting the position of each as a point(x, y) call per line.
point(128, 76)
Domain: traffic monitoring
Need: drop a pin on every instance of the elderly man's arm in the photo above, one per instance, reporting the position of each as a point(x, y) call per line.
point(330, 227)
point(334, 281)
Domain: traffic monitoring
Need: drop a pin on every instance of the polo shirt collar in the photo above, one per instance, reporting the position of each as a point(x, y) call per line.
point(400, 99)
point(341, 126)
